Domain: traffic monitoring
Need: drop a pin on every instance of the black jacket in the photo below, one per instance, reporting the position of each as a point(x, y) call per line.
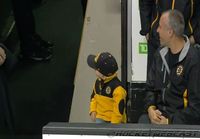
point(151, 10)
point(176, 91)
point(6, 111)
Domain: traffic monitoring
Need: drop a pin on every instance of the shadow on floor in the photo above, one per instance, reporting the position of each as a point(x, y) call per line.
point(42, 92)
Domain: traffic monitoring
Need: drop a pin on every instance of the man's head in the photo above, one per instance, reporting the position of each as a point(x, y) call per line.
point(104, 63)
point(171, 25)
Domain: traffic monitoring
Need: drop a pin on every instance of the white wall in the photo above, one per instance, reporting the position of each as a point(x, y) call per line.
point(139, 60)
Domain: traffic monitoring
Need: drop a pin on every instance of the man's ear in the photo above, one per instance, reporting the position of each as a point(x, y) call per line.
point(170, 32)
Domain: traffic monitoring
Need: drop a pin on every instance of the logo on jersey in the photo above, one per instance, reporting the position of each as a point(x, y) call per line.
point(179, 70)
point(108, 90)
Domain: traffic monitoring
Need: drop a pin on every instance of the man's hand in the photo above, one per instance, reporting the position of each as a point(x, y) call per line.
point(164, 120)
point(93, 116)
point(2, 56)
point(154, 115)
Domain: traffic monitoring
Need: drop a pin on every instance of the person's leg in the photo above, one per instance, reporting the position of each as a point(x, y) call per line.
point(32, 45)
point(84, 5)
point(6, 117)
point(24, 18)
point(36, 2)
point(98, 120)
point(144, 119)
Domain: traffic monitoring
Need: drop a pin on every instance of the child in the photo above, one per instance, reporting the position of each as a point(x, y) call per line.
point(108, 99)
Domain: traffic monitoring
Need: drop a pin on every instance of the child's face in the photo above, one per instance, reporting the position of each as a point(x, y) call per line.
point(99, 75)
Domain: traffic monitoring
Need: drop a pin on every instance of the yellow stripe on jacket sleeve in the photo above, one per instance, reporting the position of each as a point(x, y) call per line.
point(192, 12)
point(173, 4)
point(185, 98)
point(154, 21)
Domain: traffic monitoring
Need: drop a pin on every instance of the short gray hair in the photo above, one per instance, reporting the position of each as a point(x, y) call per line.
point(176, 22)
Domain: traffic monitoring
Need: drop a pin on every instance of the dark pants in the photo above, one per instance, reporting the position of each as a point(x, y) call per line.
point(153, 44)
point(6, 114)
point(6, 117)
point(144, 119)
point(84, 5)
point(25, 22)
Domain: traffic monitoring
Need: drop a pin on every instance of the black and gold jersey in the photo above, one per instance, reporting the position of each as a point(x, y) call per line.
point(108, 100)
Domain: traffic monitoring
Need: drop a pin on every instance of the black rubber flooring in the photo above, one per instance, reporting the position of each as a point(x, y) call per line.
point(42, 92)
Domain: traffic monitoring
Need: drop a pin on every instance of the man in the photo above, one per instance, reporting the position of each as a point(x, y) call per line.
point(150, 12)
point(7, 62)
point(84, 6)
point(173, 85)
point(33, 47)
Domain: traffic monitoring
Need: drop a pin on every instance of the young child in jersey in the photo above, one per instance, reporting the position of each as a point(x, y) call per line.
point(108, 99)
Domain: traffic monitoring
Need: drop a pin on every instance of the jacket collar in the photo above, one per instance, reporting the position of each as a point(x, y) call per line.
point(107, 79)
point(164, 51)
point(110, 78)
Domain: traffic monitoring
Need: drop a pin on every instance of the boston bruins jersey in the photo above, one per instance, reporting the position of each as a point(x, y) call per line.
point(108, 100)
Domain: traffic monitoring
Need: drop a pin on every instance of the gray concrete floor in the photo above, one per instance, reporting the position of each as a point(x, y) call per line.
point(102, 32)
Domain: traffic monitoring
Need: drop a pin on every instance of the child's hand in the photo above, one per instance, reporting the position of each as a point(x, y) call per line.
point(93, 116)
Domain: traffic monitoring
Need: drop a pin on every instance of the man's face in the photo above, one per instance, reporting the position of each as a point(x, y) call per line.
point(164, 31)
